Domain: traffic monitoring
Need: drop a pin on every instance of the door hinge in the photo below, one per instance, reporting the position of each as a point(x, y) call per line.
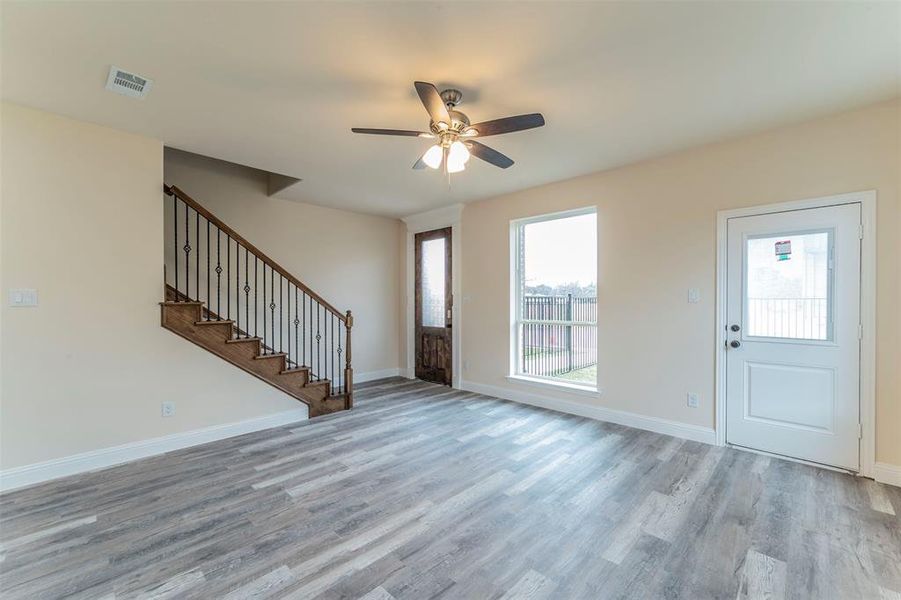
point(859, 431)
point(860, 231)
point(860, 331)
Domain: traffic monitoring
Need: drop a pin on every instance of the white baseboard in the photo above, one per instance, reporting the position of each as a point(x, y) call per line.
point(886, 473)
point(18, 477)
point(381, 374)
point(695, 433)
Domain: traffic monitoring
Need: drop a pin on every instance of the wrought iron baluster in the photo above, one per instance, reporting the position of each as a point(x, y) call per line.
point(318, 343)
point(228, 274)
point(246, 296)
point(303, 328)
point(264, 309)
point(175, 249)
point(281, 317)
point(272, 307)
point(304, 323)
point(187, 250)
point(288, 324)
point(209, 302)
point(332, 347)
point(218, 276)
point(237, 289)
point(296, 323)
point(197, 255)
point(256, 310)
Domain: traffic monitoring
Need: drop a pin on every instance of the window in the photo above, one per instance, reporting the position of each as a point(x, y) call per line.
point(433, 283)
point(555, 298)
point(787, 286)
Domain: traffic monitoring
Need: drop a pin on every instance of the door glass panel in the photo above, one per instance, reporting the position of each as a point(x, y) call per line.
point(433, 282)
point(788, 286)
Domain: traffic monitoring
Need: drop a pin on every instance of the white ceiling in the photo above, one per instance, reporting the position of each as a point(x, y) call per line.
point(278, 86)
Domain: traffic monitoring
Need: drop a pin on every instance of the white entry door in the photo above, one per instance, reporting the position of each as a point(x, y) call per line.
point(793, 334)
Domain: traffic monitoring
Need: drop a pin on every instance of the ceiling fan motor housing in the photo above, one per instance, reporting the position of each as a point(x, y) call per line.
point(452, 98)
point(458, 120)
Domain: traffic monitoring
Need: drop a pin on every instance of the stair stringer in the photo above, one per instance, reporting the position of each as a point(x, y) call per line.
point(217, 336)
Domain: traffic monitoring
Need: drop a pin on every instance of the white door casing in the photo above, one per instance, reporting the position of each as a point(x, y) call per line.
point(793, 365)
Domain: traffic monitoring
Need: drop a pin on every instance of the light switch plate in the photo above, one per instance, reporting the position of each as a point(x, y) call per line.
point(167, 409)
point(23, 297)
point(693, 400)
point(694, 295)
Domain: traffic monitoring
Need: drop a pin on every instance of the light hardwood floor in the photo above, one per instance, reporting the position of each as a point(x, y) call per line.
point(426, 492)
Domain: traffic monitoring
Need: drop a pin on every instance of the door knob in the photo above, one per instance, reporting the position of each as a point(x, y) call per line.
point(735, 327)
point(735, 343)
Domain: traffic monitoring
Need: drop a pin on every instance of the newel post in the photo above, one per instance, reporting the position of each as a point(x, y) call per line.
point(348, 368)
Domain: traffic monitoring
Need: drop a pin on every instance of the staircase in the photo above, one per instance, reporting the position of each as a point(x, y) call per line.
point(226, 296)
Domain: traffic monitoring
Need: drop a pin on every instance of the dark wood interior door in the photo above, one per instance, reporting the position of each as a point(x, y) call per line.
point(434, 301)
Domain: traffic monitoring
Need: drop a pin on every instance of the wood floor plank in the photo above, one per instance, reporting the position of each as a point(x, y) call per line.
point(423, 492)
point(378, 593)
point(763, 578)
point(532, 586)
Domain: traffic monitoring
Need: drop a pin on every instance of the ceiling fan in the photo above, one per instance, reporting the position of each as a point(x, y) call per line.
point(455, 134)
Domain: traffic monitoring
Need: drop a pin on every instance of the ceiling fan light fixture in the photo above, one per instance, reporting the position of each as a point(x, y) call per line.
point(457, 157)
point(459, 151)
point(433, 156)
point(455, 167)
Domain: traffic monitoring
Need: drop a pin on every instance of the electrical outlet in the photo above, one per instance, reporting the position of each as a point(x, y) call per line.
point(694, 295)
point(168, 409)
point(465, 365)
point(693, 400)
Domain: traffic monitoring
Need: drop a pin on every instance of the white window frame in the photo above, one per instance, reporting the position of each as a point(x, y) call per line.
point(516, 319)
point(829, 340)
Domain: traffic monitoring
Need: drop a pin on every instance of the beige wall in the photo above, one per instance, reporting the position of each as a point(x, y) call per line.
point(82, 221)
point(354, 261)
point(657, 238)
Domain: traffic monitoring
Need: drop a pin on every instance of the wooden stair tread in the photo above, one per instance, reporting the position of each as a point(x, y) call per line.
point(319, 382)
point(295, 370)
point(184, 303)
point(214, 322)
point(242, 340)
point(275, 355)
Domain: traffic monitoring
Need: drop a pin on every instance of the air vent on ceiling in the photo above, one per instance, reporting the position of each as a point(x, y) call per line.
point(127, 84)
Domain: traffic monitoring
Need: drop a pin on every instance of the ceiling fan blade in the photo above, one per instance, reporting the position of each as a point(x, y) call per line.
point(419, 164)
point(403, 132)
point(489, 155)
point(432, 101)
point(508, 124)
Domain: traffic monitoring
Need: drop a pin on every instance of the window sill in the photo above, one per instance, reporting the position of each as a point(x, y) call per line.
point(561, 386)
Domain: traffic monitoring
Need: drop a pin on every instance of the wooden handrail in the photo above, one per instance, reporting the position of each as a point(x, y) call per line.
point(172, 190)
